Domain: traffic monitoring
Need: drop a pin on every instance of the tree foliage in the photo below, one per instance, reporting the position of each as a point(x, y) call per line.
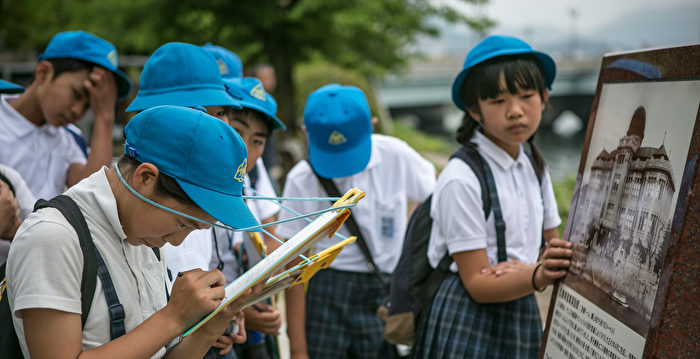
point(368, 36)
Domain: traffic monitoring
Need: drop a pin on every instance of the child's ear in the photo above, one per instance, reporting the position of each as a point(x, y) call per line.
point(545, 97)
point(476, 115)
point(43, 71)
point(145, 176)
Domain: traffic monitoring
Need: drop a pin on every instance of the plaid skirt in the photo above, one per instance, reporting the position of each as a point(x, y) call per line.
point(458, 327)
point(341, 319)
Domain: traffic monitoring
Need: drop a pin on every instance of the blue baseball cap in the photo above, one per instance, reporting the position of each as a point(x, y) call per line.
point(181, 74)
point(249, 93)
point(204, 155)
point(9, 87)
point(81, 45)
point(230, 64)
point(494, 46)
point(339, 127)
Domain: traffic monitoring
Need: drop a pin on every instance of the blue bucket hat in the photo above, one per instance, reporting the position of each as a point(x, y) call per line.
point(204, 155)
point(494, 46)
point(339, 127)
point(81, 45)
point(249, 93)
point(183, 75)
point(9, 87)
point(230, 64)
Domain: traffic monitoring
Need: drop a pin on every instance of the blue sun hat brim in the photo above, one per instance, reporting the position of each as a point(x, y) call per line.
point(494, 46)
point(9, 87)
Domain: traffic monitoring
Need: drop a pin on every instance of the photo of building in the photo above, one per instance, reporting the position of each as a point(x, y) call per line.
point(627, 196)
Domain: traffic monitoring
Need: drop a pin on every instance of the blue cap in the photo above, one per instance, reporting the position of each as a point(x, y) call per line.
point(204, 155)
point(9, 87)
point(339, 127)
point(230, 64)
point(249, 93)
point(183, 75)
point(494, 46)
point(81, 45)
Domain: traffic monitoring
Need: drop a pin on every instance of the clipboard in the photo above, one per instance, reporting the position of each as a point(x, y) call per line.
point(323, 226)
point(301, 273)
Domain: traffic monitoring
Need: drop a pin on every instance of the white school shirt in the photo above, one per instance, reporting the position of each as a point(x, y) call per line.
point(25, 199)
point(395, 173)
point(458, 216)
point(198, 251)
point(41, 155)
point(44, 268)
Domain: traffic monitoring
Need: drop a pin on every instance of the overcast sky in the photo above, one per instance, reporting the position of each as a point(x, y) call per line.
point(592, 14)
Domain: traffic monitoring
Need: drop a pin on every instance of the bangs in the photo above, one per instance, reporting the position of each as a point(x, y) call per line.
point(503, 74)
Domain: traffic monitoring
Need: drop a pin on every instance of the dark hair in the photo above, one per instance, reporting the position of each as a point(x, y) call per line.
point(67, 65)
point(166, 186)
point(256, 114)
point(521, 72)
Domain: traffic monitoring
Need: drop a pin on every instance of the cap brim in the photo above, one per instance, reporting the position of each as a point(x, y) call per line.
point(228, 209)
point(185, 98)
point(330, 164)
point(123, 84)
point(9, 87)
point(276, 122)
point(548, 66)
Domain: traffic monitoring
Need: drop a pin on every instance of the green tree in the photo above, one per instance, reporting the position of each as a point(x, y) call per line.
point(368, 36)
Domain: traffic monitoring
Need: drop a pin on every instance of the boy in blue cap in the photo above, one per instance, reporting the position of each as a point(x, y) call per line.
point(77, 71)
point(337, 319)
point(182, 170)
point(183, 74)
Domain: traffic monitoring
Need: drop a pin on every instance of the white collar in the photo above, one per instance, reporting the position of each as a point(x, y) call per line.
point(497, 154)
point(20, 125)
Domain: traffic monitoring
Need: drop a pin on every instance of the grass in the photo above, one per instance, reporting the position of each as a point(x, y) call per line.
point(564, 191)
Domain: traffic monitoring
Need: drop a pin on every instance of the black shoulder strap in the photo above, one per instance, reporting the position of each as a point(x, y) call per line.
point(332, 191)
point(489, 194)
point(9, 184)
point(72, 213)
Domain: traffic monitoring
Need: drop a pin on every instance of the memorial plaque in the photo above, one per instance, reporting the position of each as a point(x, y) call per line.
point(632, 288)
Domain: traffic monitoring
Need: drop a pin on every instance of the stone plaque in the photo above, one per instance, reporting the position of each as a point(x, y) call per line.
point(632, 289)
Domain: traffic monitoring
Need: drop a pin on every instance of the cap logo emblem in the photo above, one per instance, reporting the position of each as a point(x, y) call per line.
point(240, 172)
point(336, 138)
point(112, 57)
point(222, 66)
point(258, 92)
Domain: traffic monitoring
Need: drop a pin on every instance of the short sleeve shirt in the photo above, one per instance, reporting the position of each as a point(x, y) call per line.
point(394, 175)
point(41, 154)
point(44, 268)
point(458, 218)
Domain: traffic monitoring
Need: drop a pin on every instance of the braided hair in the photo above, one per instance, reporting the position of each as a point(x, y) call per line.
point(521, 72)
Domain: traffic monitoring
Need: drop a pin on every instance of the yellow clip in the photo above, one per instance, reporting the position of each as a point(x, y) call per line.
point(322, 260)
point(350, 197)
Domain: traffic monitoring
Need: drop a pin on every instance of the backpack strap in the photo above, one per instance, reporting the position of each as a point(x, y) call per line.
point(116, 309)
point(489, 194)
point(332, 191)
point(72, 213)
point(9, 184)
